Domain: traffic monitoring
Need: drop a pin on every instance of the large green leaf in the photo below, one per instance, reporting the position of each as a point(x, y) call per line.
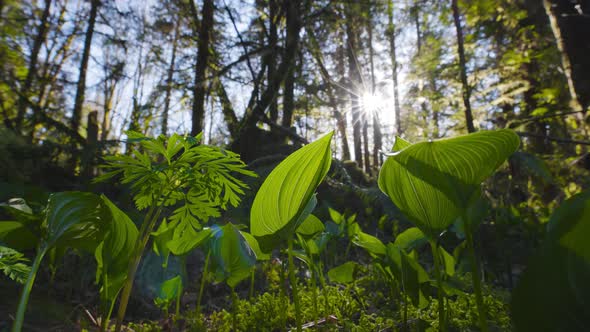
point(344, 273)
point(75, 219)
point(310, 226)
point(370, 243)
point(409, 273)
point(410, 239)
point(432, 182)
point(285, 194)
point(553, 294)
point(17, 235)
point(113, 254)
point(231, 253)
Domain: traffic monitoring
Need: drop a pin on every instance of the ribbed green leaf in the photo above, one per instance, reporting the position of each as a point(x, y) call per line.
point(553, 294)
point(310, 226)
point(113, 254)
point(75, 219)
point(368, 242)
point(410, 239)
point(409, 273)
point(287, 191)
point(168, 291)
point(232, 255)
point(432, 182)
point(344, 273)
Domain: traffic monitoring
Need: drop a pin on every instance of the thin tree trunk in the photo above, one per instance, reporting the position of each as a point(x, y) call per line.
point(169, 81)
point(109, 91)
point(293, 27)
point(200, 88)
point(372, 113)
point(341, 119)
point(424, 109)
point(392, 51)
point(466, 90)
point(32, 70)
point(81, 86)
point(355, 81)
point(271, 61)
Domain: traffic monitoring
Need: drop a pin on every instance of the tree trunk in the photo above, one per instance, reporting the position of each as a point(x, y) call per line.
point(293, 27)
point(91, 146)
point(169, 81)
point(32, 70)
point(392, 51)
point(81, 87)
point(200, 88)
point(272, 56)
point(570, 23)
point(373, 113)
point(341, 120)
point(355, 81)
point(466, 90)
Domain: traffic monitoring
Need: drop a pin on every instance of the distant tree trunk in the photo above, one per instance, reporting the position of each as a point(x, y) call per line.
point(109, 91)
point(415, 13)
point(91, 145)
point(200, 88)
point(355, 81)
point(293, 27)
point(341, 120)
point(169, 81)
point(81, 86)
point(392, 51)
point(32, 70)
point(466, 90)
point(272, 56)
point(373, 113)
point(570, 22)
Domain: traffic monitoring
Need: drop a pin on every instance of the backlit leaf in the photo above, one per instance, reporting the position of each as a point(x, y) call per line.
point(285, 194)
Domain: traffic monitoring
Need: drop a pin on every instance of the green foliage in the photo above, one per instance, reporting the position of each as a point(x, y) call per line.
point(168, 291)
point(344, 273)
point(113, 254)
point(178, 170)
point(433, 182)
point(286, 198)
point(233, 257)
point(14, 265)
point(552, 293)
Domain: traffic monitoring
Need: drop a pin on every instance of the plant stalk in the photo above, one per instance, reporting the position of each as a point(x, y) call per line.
point(293, 282)
point(440, 291)
point(203, 280)
point(481, 309)
point(24, 298)
point(234, 300)
point(314, 287)
point(251, 292)
point(144, 235)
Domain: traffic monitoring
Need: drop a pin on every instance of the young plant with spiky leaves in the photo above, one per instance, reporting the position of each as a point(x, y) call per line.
point(194, 181)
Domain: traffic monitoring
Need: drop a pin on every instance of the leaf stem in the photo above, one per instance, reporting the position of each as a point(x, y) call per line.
point(440, 291)
point(234, 301)
point(24, 299)
point(481, 309)
point(144, 235)
point(203, 280)
point(293, 282)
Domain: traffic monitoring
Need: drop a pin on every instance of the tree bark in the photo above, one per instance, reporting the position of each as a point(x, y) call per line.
point(81, 86)
point(355, 81)
point(373, 114)
point(293, 27)
point(466, 90)
point(272, 56)
point(200, 88)
point(570, 23)
point(169, 79)
point(32, 70)
point(392, 51)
